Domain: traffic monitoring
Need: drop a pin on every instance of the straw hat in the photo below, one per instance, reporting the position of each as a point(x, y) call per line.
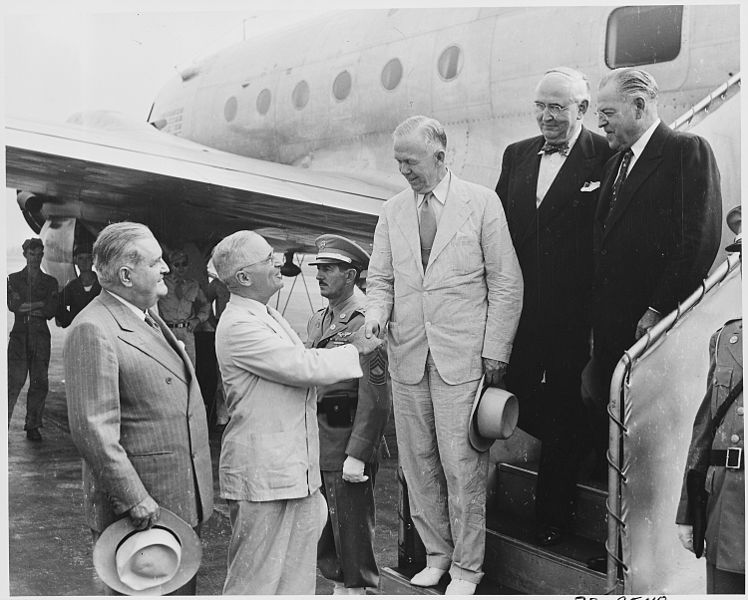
point(493, 417)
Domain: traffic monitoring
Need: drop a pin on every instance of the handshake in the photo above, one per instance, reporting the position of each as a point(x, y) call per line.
point(364, 341)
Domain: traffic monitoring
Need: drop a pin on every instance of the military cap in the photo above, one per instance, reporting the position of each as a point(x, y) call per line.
point(337, 249)
point(32, 243)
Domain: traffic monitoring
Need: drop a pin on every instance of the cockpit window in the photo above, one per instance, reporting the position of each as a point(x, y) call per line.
point(300, 95)
point(392, 73)
point(341, 87)
point(230, 108)
point(450, 63)
point(263, 101)
point(643, 35)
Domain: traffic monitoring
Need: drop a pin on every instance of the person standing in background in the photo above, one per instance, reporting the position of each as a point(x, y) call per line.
point(32, 298)
point(80, 291)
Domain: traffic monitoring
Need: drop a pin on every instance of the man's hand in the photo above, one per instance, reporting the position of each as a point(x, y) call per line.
point(145, 513)
point(685, 535)
point(372, 329)
point(192, 323)
point(353, 470)
point(495, 371)
point(649, 320)
point(364, 343)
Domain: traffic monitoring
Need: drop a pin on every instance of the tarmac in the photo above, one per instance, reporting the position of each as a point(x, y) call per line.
point(50, 548)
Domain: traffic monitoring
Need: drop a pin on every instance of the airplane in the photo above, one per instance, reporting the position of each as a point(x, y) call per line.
point(289, 134)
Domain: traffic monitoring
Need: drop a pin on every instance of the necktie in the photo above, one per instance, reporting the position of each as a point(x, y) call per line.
point(623, 171)
point(427, 228)
point(152, 323)
point(562, 149)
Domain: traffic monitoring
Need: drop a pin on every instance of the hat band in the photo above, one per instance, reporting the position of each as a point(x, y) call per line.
point(334, 256)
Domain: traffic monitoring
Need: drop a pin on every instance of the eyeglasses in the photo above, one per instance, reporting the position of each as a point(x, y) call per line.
point(269, 259)
point(553, 109)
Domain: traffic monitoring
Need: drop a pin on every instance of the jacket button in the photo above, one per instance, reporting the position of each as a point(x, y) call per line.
point(740, 410)
point(169, 380)
point(603, 251)
point(734, 438)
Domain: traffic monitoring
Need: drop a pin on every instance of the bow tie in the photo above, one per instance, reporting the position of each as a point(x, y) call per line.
point(562, 149)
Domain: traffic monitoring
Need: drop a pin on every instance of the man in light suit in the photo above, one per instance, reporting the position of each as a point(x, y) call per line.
point(548, 186)
point(269, 469)
point(657, 226)
point(134, 404)
point(444, 274)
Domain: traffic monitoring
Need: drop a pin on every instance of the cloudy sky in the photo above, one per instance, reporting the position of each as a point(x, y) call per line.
point(63, 57)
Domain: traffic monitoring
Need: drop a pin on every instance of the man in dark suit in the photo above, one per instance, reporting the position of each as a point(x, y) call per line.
point(351, 415)
point(134, 404)
point(548, 186)
point(656, 228)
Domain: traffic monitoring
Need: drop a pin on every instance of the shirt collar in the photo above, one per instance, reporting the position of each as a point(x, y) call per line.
point(130, 305)
point(253, 305)
point(638, 146)
point(440, 191)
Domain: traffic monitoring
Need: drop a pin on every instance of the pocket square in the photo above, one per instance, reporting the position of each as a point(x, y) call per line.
point(590, 186)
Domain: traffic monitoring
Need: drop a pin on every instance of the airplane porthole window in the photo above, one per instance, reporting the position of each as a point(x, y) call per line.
point(300, 95)
point(230, 108)
point(263, 101)
point(643, 35)
point(392, 73)
point(341, 87)
point(450, 63)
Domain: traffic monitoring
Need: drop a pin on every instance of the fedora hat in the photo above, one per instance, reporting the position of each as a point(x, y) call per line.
point(151, 562)
point(493, 417)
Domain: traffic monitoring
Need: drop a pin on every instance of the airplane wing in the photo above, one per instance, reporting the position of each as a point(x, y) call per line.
point(109, 169)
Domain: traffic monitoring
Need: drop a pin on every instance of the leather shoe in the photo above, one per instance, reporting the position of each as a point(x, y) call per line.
point(33, 435)
point(460, 587)
point(598, 563)
point(430, 576)
point(548, 536)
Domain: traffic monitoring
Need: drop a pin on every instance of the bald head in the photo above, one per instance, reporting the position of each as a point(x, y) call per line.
point(562, 97)
point(244, 262)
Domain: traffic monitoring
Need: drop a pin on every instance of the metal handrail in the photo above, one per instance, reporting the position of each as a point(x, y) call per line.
point(723, 92)
point(618, 432)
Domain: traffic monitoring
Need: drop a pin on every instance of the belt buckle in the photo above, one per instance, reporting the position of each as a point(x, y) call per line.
point(733, 457)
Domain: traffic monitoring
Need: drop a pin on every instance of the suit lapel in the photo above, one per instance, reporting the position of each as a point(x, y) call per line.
point(456, 211)
point(135, 332)
point(646, 164)
point(406, 218)
point(524, 211)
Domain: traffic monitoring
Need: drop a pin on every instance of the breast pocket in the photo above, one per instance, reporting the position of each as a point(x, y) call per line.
point(466, 252)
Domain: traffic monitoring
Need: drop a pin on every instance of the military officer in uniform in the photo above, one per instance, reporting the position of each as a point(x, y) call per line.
point(717, 451)
point(351, 416)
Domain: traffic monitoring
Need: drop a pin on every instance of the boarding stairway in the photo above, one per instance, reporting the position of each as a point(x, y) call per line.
point(514, 563)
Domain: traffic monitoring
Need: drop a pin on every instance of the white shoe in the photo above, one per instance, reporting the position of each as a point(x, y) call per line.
point(339, 588)
point(460, 587)
point(360, 591)
point(428, 577)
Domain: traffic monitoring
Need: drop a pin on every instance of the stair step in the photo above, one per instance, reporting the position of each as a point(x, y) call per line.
point(396, 582)
point(515, 494)
point(512, 558)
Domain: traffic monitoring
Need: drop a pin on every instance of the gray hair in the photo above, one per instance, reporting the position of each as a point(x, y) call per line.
point(235, 251)
point(115, 247)
point(433, 131)
point(632, 83)
point(580, 85)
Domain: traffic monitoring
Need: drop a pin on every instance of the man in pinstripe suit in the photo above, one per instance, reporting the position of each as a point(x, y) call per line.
point(134, 404)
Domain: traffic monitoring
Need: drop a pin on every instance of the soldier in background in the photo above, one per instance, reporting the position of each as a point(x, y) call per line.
point(715, 469)
point(32, 298)
point(351, 416)
point(185, 306)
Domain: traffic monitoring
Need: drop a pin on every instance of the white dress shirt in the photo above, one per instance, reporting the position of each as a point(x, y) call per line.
point(550, 165)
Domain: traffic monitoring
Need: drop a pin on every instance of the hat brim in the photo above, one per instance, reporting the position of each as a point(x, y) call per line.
point(508, 419)
point(105, 551)
point(329, 261)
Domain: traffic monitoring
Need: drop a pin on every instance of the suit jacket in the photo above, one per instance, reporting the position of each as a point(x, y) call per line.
point(553, 242)
point(661, 237)
point(725, 529)
point(467, 303)
point(136, 416)
point(367, 399)
point(270, 447)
